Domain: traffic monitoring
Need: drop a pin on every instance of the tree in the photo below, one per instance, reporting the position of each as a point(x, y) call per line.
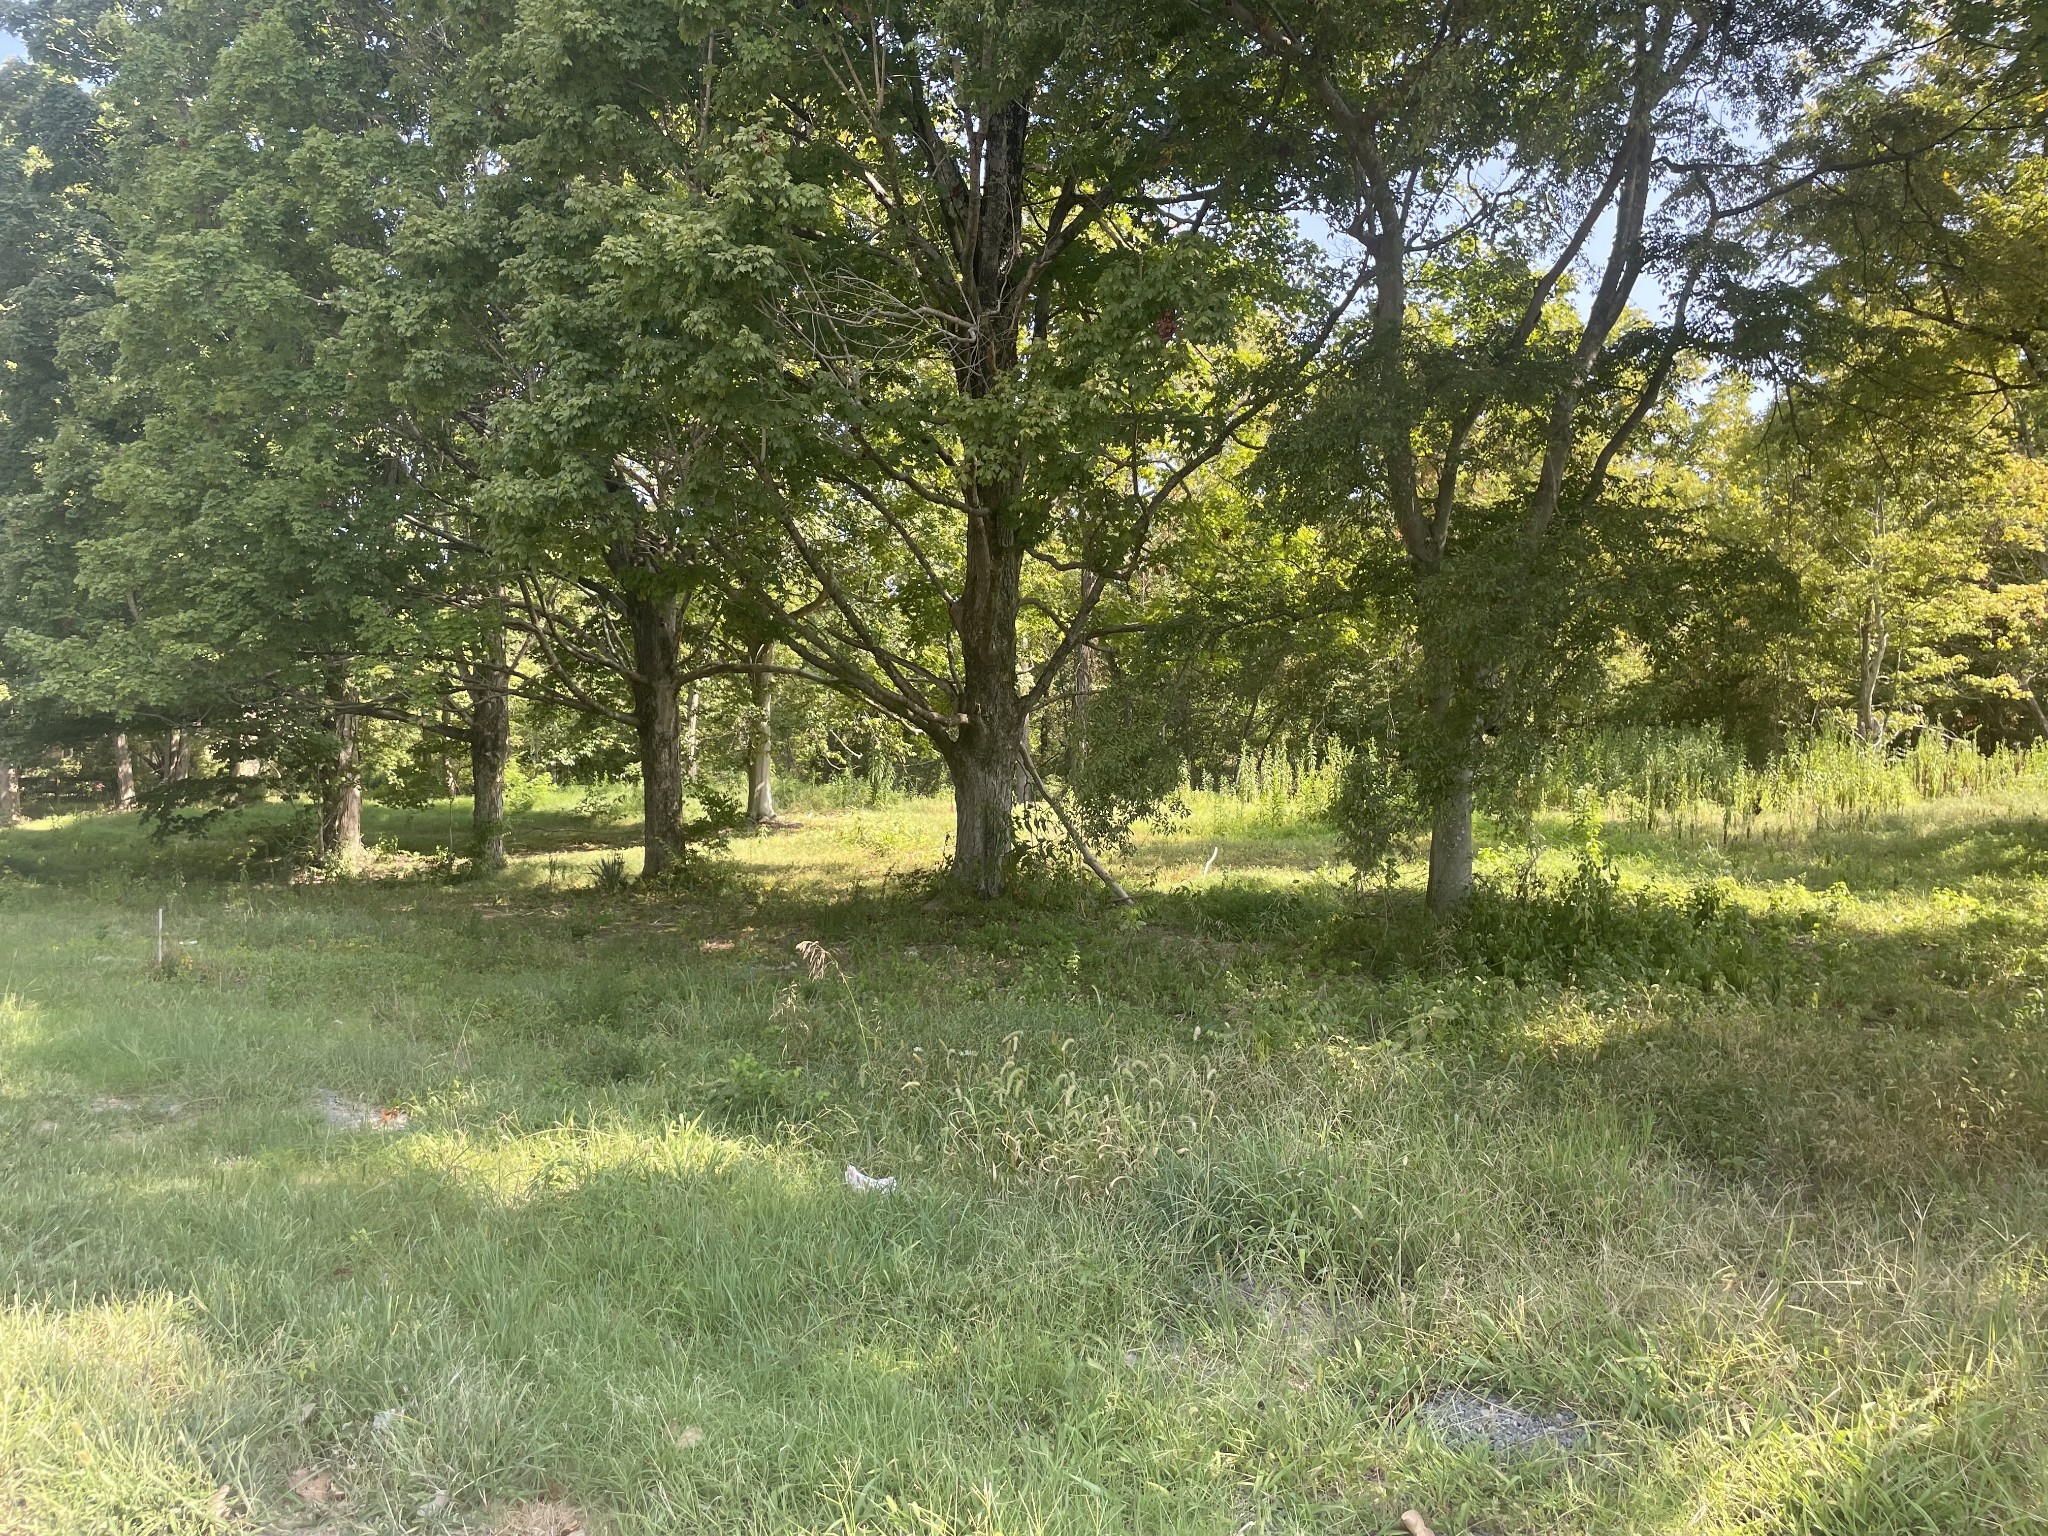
point(600, 443)
point(1480, 158)
point(1884, 508)
point(237, 529)
point(1919, 370)
point(1032, 305)
point(1927, 212)
point(55, 258)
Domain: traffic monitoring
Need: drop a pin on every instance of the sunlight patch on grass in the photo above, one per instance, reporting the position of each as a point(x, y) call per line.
point(519, 1168)
point(116, 1416)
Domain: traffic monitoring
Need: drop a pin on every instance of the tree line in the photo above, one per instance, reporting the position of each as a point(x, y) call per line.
point(1049, 397)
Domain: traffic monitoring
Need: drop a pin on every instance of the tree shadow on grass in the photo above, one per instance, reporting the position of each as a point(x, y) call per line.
point(693, 1325)
point(545, 1309)
point(255, 844)
point(1816, 1053)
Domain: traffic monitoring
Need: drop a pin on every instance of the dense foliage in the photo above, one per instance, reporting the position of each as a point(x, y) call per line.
point(1056, 401)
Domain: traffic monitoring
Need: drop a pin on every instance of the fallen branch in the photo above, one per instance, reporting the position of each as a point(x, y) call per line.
point(1073, 832)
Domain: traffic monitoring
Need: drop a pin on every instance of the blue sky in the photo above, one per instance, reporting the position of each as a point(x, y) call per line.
point(10, 45)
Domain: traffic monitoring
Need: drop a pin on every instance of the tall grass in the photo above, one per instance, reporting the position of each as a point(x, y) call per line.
point(1693, 779)
point(1677, 777)
point(1274, 788)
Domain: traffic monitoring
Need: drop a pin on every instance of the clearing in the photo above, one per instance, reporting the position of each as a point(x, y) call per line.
point(1713, 1202)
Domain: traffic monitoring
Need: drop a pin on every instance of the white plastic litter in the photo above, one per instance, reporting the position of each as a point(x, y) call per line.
point(385, 1418)
point(862, 1183)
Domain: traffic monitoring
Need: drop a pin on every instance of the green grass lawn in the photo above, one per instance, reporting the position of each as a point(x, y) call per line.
point(1201, 1204)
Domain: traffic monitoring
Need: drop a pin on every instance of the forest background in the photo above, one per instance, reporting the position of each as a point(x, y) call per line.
point(1055, 408)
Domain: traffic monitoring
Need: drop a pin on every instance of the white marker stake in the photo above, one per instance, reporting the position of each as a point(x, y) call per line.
point(159, 937)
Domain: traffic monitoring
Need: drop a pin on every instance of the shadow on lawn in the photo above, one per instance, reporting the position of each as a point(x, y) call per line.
point(563, 1316)
point(732, 1316)
point(94, 849)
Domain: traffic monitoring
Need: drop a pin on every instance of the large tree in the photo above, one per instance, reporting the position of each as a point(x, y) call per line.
point(1033, 303)
point(929, 313)
point(596, 426)
point(1922, 226)
point(1543, 199)
point(255, 549)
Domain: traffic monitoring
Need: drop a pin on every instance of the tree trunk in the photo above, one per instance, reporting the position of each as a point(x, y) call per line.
point(657, 720)
point(10, 794)
point(490, 745)
point(692, 707)
point(1874, 639)
point(984, 757)
point(984, 796)
point(124, 773)
point(1450, 848)
point(761, 738)
point(342, 816)
point(178, 753)
point(2033, 702)
point(986, 765)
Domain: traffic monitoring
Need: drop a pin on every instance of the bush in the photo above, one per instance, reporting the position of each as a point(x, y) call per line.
point(1583, 924)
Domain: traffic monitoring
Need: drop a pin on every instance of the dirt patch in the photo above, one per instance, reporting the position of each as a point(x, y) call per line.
point(1461, 1418)
point(346, 1114)
point(541, 1517)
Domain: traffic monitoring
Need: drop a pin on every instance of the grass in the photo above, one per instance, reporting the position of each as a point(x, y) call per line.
point(1198, 1203)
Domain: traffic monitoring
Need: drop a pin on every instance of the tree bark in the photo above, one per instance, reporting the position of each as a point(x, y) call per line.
point(1450, 848)
point(124, 773)
point(178, 757)
point(10, 794)
point(342, 816)
point(761, 738)
point(984, 798)
point(985, 758)
point(656, 623)
point(490, 745)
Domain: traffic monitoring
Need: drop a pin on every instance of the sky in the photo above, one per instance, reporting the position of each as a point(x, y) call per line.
point(10, 46)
